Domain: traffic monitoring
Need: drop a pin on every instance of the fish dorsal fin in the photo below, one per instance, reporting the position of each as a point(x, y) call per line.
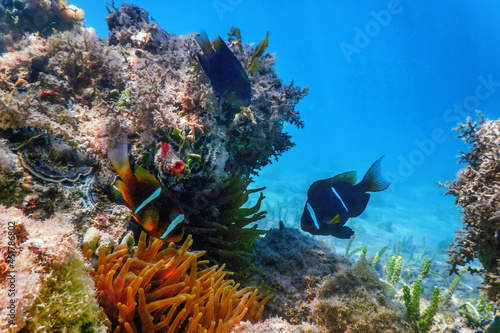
point(144, 176)
point(373, 180)
point(204, 43)
point(218, 43)
point(348, 177)
point(118, 156)
point(220, 46)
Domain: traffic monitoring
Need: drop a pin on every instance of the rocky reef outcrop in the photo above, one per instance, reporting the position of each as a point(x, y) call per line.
point(477, 193)
point(67, 96)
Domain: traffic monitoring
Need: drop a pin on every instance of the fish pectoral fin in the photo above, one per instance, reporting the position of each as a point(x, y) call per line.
point(343, 233)
point(148, 219)
point(335, 220)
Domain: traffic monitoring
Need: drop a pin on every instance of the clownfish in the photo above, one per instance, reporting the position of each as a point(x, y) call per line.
point(225, 72)
point(332, 201)
point(154, 208)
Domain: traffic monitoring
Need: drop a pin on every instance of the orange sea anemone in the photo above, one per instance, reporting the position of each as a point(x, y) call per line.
point(165, 291)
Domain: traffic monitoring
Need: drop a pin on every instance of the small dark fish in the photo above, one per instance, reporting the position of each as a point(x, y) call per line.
point(154, 207)
point(331, 202)
point(225, 72)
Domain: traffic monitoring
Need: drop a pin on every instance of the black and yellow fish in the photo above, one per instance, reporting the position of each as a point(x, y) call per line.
point(154, 208)
point(331, 202)
point(225, 72)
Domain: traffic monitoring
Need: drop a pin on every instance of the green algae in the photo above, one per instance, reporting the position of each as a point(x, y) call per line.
point(66, 302)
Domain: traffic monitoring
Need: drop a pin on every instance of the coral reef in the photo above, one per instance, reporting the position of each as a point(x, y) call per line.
point(66, 96)
point(130, 26)
point(85, 92)
point(41, 264)
point(166, 288)
point(476, 191)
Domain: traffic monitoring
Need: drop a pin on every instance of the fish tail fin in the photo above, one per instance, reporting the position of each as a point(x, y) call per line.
point(118, 156)
point(373, 180)
point(204, 43)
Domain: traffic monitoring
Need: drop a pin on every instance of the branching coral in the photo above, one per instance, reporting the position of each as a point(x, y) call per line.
point(477, 192)
point(167, 291)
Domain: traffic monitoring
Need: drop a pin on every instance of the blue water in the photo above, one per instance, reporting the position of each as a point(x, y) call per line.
point(386, 78)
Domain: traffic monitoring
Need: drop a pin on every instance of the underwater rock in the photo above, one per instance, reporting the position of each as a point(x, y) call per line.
point(34, 16)
point(311, 284)
point(476, 191)
point(294, 264)
point(353, 300)
point(130, 26)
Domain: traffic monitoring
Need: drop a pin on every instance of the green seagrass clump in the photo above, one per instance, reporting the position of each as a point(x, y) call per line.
point(393, 271)
point(411, 299)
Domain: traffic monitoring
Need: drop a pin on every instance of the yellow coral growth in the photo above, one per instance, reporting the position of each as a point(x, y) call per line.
point(164, 291)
